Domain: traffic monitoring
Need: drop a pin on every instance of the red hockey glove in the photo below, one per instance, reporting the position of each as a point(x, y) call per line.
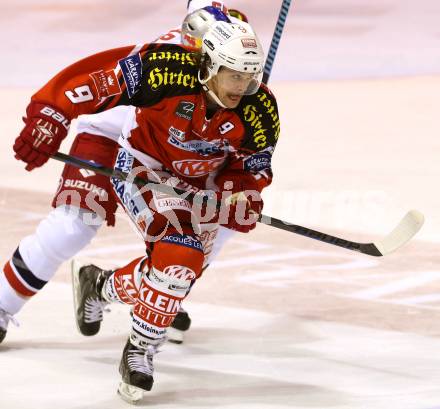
point(241, 206)
point(244, 212)
point(45, 128)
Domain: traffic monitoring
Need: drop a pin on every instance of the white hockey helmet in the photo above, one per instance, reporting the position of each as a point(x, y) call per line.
point(235, 46)
point(197, 23)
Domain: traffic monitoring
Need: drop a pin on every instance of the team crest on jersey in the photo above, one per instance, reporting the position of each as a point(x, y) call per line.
point(131, 68)
point(106, 83)
point(185, 110)
point(196, 168)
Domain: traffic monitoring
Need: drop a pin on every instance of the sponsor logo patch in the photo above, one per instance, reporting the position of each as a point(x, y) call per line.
point(258, 162)
point(183, 240)
point(182, 58)
point(262, 132)
point(86, 173)
point(131, 68)
point(163, 204)
point(50, 112)
point(203, 148)
point(185, 110)
point(43, 132)
point(180, 272)
point(251, 63)
point(159, 302)
point(124, 161)
point(159, 77)
point(209, 44)
point(106, 83)
point(124, 288)
point(224, 35)
point(249, 43)
point(125, 197)
point(270, 109)
point(83, 185)
point(195, 168)
point(176, 133)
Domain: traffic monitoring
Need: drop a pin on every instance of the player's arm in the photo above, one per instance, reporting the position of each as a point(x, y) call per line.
point(91, 85)
point(85, 86)
point(249, 171)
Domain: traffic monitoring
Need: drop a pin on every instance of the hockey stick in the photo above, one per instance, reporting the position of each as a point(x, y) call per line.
point(402, 233)
point(276, 39)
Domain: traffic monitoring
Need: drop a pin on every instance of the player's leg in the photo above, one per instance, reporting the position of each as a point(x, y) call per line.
point(165, 282)
point(57, 238)
point(81, 207)
point(175, 260)
point(155, 287)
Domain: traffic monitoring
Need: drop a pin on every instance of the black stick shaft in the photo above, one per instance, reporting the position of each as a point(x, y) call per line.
point(279, 27)
point(366, 248)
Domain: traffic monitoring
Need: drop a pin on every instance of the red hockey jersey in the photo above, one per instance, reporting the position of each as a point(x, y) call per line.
point(170, 123)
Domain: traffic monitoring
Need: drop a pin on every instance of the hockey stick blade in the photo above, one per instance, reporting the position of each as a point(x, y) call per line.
point(402, 233)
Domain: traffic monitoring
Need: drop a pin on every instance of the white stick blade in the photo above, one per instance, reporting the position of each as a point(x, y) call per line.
point(402, 233)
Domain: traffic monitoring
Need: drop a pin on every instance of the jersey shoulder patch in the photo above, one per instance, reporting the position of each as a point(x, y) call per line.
point(259, 115)
point(169, 71)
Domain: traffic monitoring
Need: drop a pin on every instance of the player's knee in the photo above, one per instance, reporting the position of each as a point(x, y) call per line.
point(67, 230)
point(62, 234)
point(176, 260)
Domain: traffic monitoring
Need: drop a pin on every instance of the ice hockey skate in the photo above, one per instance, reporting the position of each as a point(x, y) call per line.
point(179, 326)
point(4, 321)
point(136, 369)
point(88, 302)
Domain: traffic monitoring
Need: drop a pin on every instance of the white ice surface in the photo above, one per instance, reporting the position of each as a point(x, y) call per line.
point(46, 365)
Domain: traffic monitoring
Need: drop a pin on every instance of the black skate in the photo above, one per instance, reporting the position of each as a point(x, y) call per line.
point(87, 300)
point(4, 321)
point(136, 369)
point(181, 323)
point(5, 317)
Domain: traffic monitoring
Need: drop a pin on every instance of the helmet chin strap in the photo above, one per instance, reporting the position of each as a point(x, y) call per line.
point(210, 92)
point(214, 97)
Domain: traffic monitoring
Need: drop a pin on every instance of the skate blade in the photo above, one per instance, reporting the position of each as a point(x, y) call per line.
point(174, 335)
point(75, 266)
point(129, 393)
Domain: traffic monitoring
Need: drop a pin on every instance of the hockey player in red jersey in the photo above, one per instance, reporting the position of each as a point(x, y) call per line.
point(63, 232)
point(197, 122)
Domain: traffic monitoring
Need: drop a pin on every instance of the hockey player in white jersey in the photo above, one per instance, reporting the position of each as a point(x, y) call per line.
point(63, 233)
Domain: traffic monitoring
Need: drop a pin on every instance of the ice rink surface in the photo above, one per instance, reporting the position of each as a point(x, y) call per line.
point(279, 321)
